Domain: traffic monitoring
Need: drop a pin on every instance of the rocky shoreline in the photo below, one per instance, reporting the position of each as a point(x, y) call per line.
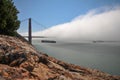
point(21, 61)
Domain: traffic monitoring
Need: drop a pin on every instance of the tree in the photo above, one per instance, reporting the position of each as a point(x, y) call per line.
point(9, 22)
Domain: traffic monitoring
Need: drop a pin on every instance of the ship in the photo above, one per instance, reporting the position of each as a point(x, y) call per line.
point(48, 41)
point(98, 41)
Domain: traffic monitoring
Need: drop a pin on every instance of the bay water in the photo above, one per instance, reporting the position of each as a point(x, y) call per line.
point(104, 56)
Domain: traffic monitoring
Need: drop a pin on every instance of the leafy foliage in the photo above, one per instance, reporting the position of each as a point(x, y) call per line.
point(9, 22)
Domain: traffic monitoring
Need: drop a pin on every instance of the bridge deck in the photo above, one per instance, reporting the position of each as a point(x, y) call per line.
point(36, 36)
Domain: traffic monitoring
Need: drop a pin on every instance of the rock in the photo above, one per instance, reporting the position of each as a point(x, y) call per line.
point(21, 61)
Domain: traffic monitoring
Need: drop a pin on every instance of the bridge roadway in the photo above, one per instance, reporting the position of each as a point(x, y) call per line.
point(36, 36)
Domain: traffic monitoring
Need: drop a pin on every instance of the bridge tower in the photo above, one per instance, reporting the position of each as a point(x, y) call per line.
point(29, 31)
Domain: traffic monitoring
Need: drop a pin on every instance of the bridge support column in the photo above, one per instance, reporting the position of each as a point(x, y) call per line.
point(30, 31)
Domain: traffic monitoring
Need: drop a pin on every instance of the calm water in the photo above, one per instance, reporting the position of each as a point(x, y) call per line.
point(103, 56)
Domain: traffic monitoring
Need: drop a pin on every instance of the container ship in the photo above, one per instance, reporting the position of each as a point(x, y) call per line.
point(48, 41)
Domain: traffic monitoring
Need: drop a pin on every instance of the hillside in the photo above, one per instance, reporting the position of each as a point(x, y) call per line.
point(21, 61)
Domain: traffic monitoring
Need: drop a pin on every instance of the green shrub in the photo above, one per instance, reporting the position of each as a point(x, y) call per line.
point(9, 22)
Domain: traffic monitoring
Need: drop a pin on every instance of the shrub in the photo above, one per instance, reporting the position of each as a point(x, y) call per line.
point(9, 22)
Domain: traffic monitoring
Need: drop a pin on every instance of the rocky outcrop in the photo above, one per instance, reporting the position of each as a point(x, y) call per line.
point(21, 61)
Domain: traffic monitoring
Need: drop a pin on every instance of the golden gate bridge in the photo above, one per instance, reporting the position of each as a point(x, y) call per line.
point(30, 29)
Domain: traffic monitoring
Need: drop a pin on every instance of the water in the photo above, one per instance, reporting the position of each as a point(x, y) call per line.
point(103, 56)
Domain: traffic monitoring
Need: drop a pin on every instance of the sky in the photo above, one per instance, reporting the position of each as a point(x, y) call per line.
point(72, 19)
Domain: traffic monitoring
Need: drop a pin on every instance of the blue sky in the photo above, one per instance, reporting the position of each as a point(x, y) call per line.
point(53, 12)
point(72, 19)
